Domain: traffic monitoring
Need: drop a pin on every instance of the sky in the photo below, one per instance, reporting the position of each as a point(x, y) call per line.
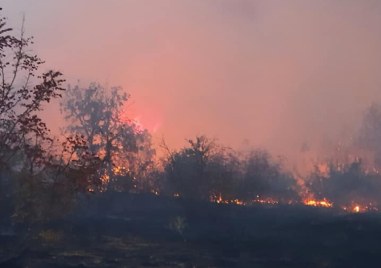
point(269, 74)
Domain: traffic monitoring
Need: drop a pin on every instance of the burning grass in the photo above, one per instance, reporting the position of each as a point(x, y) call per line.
point(309, 202)
point(318, 203)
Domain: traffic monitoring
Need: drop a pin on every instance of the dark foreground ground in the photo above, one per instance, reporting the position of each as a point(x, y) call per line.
point(147, 231)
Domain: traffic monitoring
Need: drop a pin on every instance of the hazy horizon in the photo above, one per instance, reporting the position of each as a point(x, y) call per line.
point(269, 74)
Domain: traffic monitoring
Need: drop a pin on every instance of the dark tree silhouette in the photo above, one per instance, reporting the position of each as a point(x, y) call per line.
point(346, 185)
point(123, 148)
point(23, 92)
point(200, 170)
point(30, 176)
point(264, 178)
point(369, 137)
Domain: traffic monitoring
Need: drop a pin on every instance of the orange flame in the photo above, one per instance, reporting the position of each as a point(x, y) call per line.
point(318, 203)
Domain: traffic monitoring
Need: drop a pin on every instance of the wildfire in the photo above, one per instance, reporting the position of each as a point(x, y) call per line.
point(155, 192)
point(318, 203)
point(105, 178)
point(265, 201)
point(219, 200)
point(356, 208)
point(309, 200)
point(323, 203)
point(120, 170)
point(237, 202)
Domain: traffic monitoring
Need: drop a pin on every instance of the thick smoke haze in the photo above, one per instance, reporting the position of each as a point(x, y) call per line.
point(289, 76)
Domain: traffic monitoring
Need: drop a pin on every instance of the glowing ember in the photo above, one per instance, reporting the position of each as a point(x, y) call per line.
point(219, 200)
point(119, 170)
point(155, 192)
point(360, 208)
point(105, 178)
point(318, 203)
point(265, 201)
point(238, 202)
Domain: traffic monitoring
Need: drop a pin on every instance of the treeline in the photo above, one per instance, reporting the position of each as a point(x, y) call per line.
point(202, 170)
point(347, 185)
point(205, 170)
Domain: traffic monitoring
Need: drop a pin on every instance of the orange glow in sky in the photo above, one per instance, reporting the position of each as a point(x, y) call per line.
point(143, 118)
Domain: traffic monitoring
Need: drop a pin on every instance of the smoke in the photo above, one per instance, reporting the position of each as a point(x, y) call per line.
point(290, 76)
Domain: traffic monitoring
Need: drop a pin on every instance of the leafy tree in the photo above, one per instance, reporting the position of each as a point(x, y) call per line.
point(200, 170)
point(263, 178)
point(205, 170)
point(346, 184)
point(124, 149)
point(52, 191)
point(23, 92)
point(37, 183)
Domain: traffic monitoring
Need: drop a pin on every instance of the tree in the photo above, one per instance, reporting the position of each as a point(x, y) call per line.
point(201, 170)
point(369, 137)
point(52, 191)
point(346, 184)
point(23, 92)
point(32, 177)
point(263, 178)
point(123, 148)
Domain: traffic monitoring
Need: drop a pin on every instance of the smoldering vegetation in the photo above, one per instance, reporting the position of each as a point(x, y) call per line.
point(205, 170)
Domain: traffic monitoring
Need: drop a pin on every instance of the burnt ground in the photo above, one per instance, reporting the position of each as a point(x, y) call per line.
point(126, 230)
